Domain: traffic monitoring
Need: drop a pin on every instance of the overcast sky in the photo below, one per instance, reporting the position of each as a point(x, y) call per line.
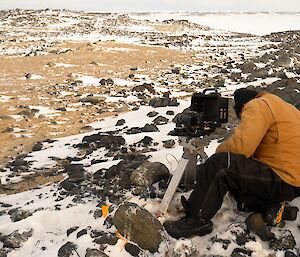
point(156, 5)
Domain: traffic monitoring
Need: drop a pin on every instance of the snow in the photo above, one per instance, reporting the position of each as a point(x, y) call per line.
point(254, 23)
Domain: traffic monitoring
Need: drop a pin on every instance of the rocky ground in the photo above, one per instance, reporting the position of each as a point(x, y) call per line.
point(87, 101)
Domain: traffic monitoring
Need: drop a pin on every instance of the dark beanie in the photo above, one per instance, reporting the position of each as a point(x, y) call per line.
point(242, 96)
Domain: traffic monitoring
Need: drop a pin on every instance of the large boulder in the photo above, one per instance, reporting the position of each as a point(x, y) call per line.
point(138, 225)
point(149, 173)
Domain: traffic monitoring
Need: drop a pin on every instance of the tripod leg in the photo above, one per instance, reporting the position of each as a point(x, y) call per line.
point(163, 207)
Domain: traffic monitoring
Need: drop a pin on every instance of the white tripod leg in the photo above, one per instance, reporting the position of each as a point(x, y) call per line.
point(176, 178)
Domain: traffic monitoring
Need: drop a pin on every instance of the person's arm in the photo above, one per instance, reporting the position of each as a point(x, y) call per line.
point(256, 119)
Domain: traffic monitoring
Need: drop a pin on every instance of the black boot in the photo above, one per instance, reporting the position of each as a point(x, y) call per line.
point(188, 226)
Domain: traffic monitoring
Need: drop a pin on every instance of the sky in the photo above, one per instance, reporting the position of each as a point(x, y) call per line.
point(157, 5)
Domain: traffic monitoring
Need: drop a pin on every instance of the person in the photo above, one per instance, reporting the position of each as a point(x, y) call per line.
point(259, 165)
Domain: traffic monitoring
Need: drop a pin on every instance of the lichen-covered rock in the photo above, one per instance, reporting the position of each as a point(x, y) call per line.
point(149, 173)
point(15, 239)
point(286, 241)
point(94, 253)
point(138, 225)
point(18, 214)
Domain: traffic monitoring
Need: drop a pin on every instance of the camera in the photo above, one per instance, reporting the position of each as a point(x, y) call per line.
point(208, 110)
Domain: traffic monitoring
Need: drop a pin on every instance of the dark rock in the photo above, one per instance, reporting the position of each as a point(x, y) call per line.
point(242, 238)
point(160, 120)
point(134, 130)
point(138, 225)
point(170, 113)
point(169, 143)
point(106, 238)
point(289, 254)
point(146, 86)
point(37, 146)
point(236, 76)
point(285, 242)
point(67, 250)
point(26, 113)
point(247, 67)
point(62, 109)
point(149, 173)
point(92, 99)
point(17, 214)
point(28, 75)
point(133, 249)
point(15, 239)
point(146, 141)
point(76, 172)
point(176, 70)
point(240, 252)
point(120, 122)
point(81, 233)
point(67, 185)
point(105, 140)
point(94, 253)
point(152, 114)
point(110, 82)
point(163, 102)
point(71, 230)
point(149, 128)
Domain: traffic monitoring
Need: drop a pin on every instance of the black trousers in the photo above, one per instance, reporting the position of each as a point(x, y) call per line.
point(254, 185)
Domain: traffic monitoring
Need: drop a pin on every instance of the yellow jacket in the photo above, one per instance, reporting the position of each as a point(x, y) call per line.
point(270, 133)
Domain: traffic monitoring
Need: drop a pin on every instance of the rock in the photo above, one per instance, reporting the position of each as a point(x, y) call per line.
point(67, 250)
point(289, 254)
point(85, 129)
point(146, 141)
point(285, 242)
point(169, 143)
point(76, 172)
point(104, 140)
point(37, 146)
point(106, 238)
point(120, 122)
point(146, 86)
point(71, 230)
point(152, 114)
point(81, 233)
point(160, 120)
point(92, 99)
point(6, 117)
point(149, 128)
point(138, 225)
point(134, 130)
point(133, 249)
point(94, 253)
point(26, 113)
point(28, 75)
point(17, 214)
point(67, 185)
point(149, 173)
point(163, 102)
point(170, 113)
point(176, 70)
point(15, 239)
point(184, 248)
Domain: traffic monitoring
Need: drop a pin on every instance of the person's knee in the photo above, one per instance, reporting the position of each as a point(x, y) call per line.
point(213, 166)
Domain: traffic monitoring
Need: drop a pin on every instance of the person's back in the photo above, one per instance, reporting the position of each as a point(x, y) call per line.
point(280, 147)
